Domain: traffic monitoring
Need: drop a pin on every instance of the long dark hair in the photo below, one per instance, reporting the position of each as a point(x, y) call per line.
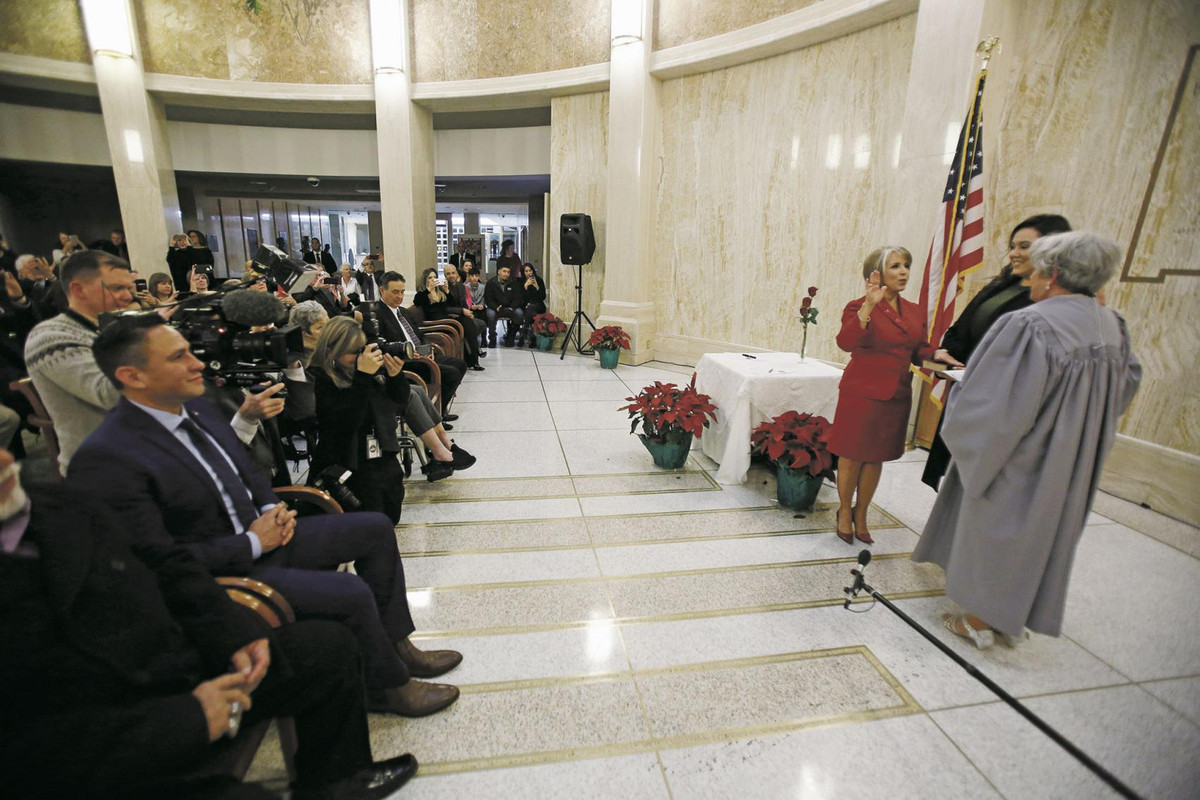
point(1045, 225)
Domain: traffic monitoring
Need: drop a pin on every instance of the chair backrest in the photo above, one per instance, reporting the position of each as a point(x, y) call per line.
point(40, 418)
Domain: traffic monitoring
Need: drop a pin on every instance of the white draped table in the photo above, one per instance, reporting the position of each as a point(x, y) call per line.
point(748, 391)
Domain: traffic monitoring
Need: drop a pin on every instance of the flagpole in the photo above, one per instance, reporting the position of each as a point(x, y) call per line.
point(984, 51)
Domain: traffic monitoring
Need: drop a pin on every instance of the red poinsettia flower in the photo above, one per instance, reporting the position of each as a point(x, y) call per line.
point(795, 440)
point(669, 413)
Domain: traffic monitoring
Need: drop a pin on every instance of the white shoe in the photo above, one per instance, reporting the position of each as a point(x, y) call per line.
point(959, 626)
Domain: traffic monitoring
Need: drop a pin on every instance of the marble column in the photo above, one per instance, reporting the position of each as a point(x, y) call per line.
point(135, 127)
point(405, 142)
point(632, 119)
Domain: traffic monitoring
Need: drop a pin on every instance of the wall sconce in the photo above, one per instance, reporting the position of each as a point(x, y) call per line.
point(107, 24)
point(626, 18)
point(388, 37)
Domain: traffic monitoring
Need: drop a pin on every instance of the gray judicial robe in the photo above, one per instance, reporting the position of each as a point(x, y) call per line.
point(1028, 430)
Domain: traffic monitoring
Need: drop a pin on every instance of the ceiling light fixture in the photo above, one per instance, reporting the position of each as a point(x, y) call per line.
point(107, 25)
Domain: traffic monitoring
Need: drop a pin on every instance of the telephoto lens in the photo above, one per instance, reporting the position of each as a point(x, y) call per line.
point(333, 479)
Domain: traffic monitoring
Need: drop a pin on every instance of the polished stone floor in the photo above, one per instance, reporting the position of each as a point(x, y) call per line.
point(636, 633)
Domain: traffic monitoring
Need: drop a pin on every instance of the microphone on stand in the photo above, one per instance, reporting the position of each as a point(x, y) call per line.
point(864, 558)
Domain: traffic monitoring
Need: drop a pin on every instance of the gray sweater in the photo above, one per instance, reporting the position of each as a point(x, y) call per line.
point(58, 355)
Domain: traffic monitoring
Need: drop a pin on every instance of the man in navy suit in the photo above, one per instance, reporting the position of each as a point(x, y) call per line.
point(168, 464)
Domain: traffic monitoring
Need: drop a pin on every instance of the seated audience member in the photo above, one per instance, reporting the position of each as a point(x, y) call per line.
point(436, 301)
point(58, 352)
point(172, 469)
point(115, 245)
point(349, 284)
point(504, 300)
point(397, 326)
point(357, 418)
point(301, 404)
point(124, 669)
point(534, 291)
point(198, 283)
point(161, 288)
point(474, 291)
point(41, 285)
point(472, 320)
point(17, 317)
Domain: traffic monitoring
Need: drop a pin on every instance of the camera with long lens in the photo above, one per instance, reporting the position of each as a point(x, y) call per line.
point(232, 353)
point(373, 331)
point(333, 479)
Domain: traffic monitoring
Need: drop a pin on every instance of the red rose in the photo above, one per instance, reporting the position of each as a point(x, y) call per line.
point(812, 291)
point(806, 302)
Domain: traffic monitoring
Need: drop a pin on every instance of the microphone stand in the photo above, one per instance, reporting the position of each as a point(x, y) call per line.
point(1082, 757)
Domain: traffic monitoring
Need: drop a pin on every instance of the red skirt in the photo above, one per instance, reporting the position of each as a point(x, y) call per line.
point(869, 430)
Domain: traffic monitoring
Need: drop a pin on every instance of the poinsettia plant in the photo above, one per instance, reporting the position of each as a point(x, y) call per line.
point(808, 316)
point(796, 441)
point(668, 413)
point(548, 325)
point(610, 337)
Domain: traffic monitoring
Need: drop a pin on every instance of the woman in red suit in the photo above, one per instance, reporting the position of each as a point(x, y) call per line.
point(884, 334)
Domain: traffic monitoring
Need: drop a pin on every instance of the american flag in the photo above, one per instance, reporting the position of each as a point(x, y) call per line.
point(957, 246)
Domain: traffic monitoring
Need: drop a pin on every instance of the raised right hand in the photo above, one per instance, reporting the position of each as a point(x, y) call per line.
point(875, 292)
point(370, 360)
point(217, 697)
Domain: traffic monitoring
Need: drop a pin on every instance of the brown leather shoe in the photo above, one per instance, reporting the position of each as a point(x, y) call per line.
point(427, 663)
point(413, 699)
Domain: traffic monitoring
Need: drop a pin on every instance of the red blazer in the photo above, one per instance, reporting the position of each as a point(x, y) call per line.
point(881, 354)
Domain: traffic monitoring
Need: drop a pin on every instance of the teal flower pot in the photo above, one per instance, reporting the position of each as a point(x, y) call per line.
point(795, 488)
point(544, 342)
point(668, 455)
point(609, 357)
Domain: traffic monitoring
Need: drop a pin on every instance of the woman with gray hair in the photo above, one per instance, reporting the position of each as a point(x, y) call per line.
point(1028, 429)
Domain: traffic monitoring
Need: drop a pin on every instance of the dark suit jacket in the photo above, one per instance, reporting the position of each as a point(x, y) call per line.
point(162, 492)
point(390, 329)
point(101, 649)
point(881, 354)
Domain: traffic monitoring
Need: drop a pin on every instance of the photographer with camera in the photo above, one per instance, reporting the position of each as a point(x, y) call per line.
point(328, 293)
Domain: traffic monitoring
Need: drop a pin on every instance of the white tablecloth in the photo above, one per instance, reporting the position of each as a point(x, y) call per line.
point(748, 391)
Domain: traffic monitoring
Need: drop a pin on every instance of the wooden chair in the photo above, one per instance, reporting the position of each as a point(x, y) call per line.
point(447, 334)
point(271, 606)
point(40, 418)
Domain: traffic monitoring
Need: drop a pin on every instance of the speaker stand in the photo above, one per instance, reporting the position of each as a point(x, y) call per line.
point(576, 328)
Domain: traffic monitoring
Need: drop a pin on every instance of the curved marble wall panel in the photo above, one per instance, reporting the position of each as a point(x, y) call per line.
point(47, 28)
point(289, 41)
point(455, 40)
point(682, 21)
point(578, 183)
point(772, 177)
point(1082, 112)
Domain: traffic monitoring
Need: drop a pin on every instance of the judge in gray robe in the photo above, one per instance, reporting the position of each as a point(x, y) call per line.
point(1028, 429)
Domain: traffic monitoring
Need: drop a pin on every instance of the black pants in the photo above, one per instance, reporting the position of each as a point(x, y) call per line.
point(379, 486)
point(315, 677)
point(515, 317)
point(373, 604)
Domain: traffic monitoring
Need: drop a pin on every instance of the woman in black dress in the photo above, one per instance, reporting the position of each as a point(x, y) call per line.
point(534, 289)
point(1008, 291)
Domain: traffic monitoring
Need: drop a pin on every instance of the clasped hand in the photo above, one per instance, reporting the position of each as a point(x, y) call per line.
point(217, 696)
point(275, 528)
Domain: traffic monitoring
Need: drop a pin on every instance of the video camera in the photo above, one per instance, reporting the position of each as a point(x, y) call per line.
point(217, 327)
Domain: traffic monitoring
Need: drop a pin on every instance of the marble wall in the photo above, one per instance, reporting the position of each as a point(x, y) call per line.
point(288, 41)
point(468, 39)
point(773, 176)
point(47, 29)
point(578, 184)
point(1081, 105)
point(682, 21)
